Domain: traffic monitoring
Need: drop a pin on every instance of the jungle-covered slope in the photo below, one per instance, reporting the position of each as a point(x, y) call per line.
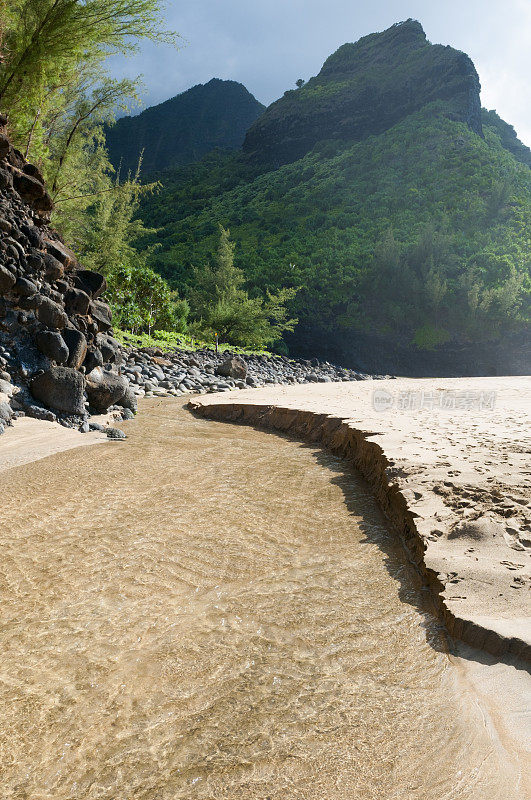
point(184, 128)
point(418, 234)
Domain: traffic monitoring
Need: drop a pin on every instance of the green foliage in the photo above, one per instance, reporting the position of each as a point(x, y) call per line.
point(56, 91)
point(428, 337)
point(104, 233)
point(221, 305)
point(142, 301)
point(170, 340)
point(55, 88)
point(426, 224)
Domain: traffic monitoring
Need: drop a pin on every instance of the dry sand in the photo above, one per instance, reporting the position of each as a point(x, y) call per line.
point(31, 439)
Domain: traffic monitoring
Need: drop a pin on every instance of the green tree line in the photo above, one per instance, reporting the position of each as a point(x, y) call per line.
point(59, 97)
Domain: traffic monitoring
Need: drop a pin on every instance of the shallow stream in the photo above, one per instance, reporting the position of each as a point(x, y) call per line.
point(209, 611)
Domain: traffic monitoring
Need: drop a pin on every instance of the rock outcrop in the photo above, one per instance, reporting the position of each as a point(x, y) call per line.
point(54, 324)
point(365, 88)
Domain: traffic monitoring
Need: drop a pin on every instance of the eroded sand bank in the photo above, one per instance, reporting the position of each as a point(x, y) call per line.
point(449, 462)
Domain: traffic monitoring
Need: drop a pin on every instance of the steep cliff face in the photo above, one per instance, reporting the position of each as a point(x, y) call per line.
point(364, 89)
point(183, 129)
point(508, 138)
point(55, 326)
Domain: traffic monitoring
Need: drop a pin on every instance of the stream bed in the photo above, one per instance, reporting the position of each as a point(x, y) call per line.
point(210, 611)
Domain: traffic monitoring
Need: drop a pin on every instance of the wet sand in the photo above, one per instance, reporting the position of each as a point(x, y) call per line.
point(211, 611)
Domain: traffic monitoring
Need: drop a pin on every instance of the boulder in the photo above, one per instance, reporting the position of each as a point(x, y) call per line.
point(77, 302)
point(101, 314)
point(24, 288)
point(62, 253)
point(34, 261)
point(233, 367)
point(51, 314)
point(30, 303)
point(32, 234)
point(5, 144)
point(43, 205)
point(29, 188)
point(60, 388)
point(110, 349)
point(93, 359)
point(90, 282)
point(116, 434)
point(5, 412)
point(129, 401)
point(6, 180)
point(38, 412)
point(53, 268)
point(105, 389)
point(7, 280)
point(77, 347)
point(6, 387)
point(31, 169)
point(52, 345)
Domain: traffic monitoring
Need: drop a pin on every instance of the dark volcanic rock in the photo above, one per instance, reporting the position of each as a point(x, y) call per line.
point(129, 401)
point(101, 313)
point(77, 347)
point(77, 302)
point(61, 389)
point(24, 287)
point(233, 367)
point(29, 188)
point(115, 433)
point(90, 282)
point(105, 389)
point(53, 346)
point(109, 348)
point(42, 292)
point(51, 314)
point(6, 412)
point(93, 359)
point(61, 253)
point(54, 268)
point(7, 280)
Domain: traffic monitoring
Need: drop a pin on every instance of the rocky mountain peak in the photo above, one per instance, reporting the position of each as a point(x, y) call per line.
point(408, 35)
point(365, 88)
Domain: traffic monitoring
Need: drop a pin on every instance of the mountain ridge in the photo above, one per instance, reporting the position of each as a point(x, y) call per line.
point(363, 89)
point(183, 128)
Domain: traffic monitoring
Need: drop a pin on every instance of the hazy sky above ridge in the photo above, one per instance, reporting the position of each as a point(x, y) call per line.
point(268, 45)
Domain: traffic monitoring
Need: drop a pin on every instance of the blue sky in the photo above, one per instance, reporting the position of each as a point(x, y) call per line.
point(268, 45)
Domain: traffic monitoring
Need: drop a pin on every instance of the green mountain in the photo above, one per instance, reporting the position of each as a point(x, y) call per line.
point(400, 208)
point(364, 89)
point(183, 129)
